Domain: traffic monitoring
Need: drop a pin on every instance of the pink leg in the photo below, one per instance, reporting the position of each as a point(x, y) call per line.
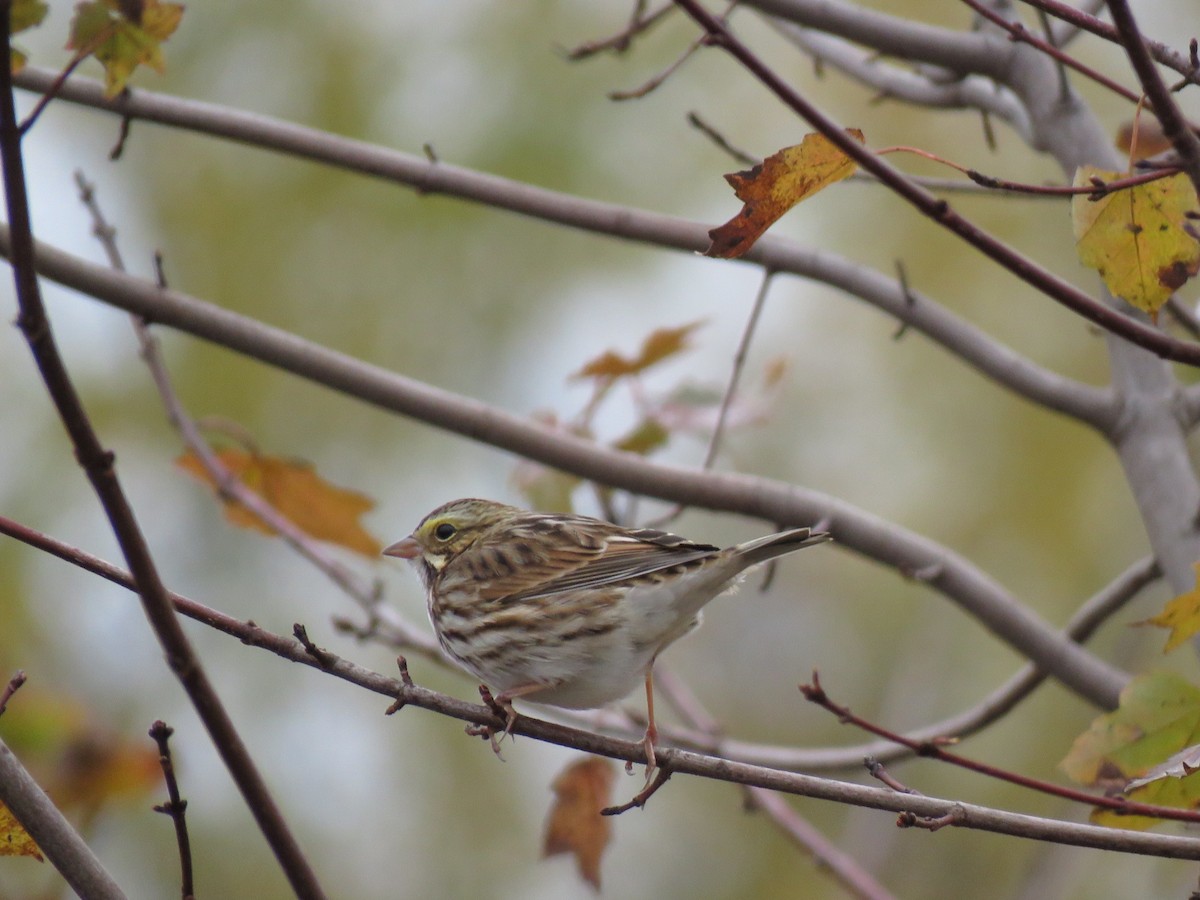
point(651, 736)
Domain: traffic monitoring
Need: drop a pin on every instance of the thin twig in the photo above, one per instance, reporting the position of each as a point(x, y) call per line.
point(815, 693)
point(735, 375)
point(1089, 23)
point(14, 684)
point(175, 807)
point(1175, 127)
point(368, 595)
point(741, 156)
point(655, 82)
point(639, 22)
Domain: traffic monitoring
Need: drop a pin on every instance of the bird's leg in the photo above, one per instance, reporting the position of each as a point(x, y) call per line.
point(502, 703)
point(651, 736)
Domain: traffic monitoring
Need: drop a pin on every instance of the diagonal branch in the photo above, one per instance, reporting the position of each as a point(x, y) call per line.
point(1175, 127)
point(778, 502)
point(405, 693)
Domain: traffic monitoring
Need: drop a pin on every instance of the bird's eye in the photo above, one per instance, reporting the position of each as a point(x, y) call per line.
point(445, 531)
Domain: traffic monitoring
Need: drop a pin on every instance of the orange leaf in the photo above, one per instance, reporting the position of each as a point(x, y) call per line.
point(658, 345)
point(575, 825)
point(15, 840)
point(318, 508)
point(774, 186)
point(1181, 615)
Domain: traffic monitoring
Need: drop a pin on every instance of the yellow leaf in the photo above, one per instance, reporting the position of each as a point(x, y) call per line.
point(777, 184)
point(122, 35)
point(1181, 615)
point(1158, 716)
point(1135, 238)
point(658, 345)
point(575, 825)
point(318, 508)
point(15, 840)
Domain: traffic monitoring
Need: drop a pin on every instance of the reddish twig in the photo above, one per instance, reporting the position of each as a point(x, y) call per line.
point(662, 774)
point(175, 807)
point(1081, 20)
point(14, 684)
point(932, 749)
point(1019, 32)
point(639, 21)
point(1175, 127)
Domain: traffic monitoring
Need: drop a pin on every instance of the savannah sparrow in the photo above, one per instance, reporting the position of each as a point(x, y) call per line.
point(567, 610)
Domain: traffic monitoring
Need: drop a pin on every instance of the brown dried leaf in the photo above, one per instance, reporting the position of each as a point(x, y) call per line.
point(318, 508)
point(658, 345)
point(774, 186)
point(575, 825)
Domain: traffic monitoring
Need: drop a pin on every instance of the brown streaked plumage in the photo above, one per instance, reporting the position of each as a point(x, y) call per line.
point(567, 610)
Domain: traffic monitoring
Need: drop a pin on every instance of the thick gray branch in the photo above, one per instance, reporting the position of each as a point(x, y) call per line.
point(962, 52)
point(951, 574)
point(995, 360)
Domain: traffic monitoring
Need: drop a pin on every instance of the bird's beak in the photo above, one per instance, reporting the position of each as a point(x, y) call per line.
point(405, 549)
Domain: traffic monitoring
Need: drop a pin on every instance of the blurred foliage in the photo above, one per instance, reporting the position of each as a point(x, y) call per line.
point(505, 309)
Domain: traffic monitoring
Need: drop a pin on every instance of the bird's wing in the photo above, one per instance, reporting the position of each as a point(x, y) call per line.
point(555, 556)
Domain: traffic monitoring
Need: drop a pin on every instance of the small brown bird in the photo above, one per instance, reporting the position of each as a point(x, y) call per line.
point(568, 610)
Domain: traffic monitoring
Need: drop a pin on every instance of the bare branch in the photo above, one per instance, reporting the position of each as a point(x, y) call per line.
point(997, 361)
point(894, 82)
point(175, 807)
point(777, 502)
point(680, 761)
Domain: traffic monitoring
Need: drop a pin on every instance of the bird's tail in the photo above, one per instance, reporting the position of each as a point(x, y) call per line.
point(773, 545)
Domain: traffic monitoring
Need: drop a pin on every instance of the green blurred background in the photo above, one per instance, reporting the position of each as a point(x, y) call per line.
point(504, 309)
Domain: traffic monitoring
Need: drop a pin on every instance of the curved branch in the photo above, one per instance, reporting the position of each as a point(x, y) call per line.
point(1082, 625)
point(946, 571)
point(894, 82)
point(997, 361)
point(962, 52)
point(405, 693)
